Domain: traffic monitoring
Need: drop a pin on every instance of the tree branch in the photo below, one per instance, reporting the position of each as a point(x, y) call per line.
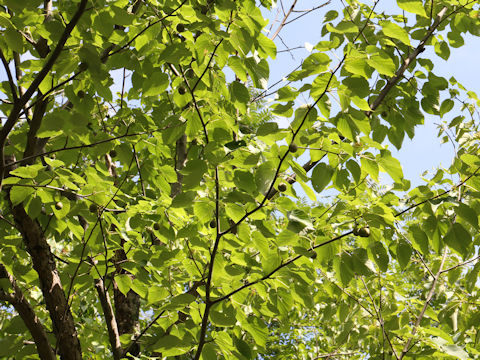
point(407, 347)
point(282, 24)
point(26, 312)
point(399, 74)
point(379, 318)
point(111, 322)
point(9, 76)
point(282, 265)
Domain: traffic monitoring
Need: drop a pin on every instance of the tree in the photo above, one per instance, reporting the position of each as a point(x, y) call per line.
point(152, 207)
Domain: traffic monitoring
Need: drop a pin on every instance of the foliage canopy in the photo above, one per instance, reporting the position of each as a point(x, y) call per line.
point(152, 206)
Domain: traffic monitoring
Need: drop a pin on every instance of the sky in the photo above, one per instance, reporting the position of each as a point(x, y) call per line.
point(425, 151)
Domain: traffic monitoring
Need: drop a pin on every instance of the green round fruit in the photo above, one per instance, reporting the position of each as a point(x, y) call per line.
point(180, 28)
point(81, 94)
point(93, 208)
point(190, 73)
point(213, 224)
point(113, 153)
point(363, 231)
point(313, 254)
point(282, 187)
point(293, 148)
point(156, 226)
point(182, 90)
point(59, 205)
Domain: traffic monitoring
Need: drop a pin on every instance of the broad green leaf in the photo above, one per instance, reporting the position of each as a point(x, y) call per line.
point(381, 62)
point(419, 239)
point(264, 177)
point(244, 180)
point(209, 352)
point(370, 165)
point(356, 63)
point(468, 214)
point(124, 283)
point(28, 172)
point(19, 193)
point(14, 39)
point(458, 239)
point(391, 166)
point(395, 31)
point(155, 84)
point(379, 254)
point(404, 252)
point(234, 211)
point(412, 6)
point(321, 176)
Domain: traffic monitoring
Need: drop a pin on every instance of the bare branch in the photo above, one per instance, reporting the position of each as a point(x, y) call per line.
point(9, 76)
point(282, 24)
point(407, 347)
point(461, 264)
point(107, 308)
point(379, 318)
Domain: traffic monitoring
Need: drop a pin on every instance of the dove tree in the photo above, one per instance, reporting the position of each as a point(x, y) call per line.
point(155, 206)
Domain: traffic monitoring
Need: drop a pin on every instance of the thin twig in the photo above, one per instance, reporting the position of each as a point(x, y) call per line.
point(379, 318)
point(306, 12)
point(439, 195)
point(461, 264)
point(413, 55)
point(407, 347)
point(282, 24)
point(9, 76)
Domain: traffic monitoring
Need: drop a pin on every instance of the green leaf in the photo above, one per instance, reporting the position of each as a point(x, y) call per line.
point(264, 177)
point(223, 318)
point(209, 352)
point(446, 106)
point(412, 6)
point(404, 252)
point(234, 211)
point(442, 49)
point(124, 283)
point(155, 84)
point(343, 268)
point(321, 176)
point(244, 180)
point(14, 40)
point(395, 31)
point(194, 172)
point(391, 166)
point(379, 254)
point(381, 62)
point(419, 239)
point(240, 95)
point(19, 193)
point(458, 239)
point(468, 214)
point(370, 166)
point(28, 172)
point(357, 63)
point(180, 301)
